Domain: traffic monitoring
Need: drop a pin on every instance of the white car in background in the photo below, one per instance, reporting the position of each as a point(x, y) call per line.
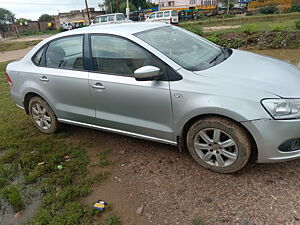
point(109, 19)
point(168, 16)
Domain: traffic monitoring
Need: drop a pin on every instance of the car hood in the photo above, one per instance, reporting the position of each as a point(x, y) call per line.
point(253, 71)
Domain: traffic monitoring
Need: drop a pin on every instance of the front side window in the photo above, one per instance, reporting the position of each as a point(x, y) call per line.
point(159, 15)
point(152, 16)
point(65, 53)
point(120, 17)
point(188, 50)
point(96, 20)
point(114, 55)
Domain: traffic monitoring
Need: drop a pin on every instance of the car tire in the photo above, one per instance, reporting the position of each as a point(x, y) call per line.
point(43, 116)
point(219, 144)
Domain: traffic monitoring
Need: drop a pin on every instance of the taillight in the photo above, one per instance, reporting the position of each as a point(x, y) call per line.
point(9, 81)
point(171, 20)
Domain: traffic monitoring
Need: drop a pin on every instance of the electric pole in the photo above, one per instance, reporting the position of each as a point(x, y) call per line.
point(87, 11)
point(228, 2)
point(127, 9)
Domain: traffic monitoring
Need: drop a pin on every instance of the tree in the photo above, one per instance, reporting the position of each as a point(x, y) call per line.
point(46, 17)
point(6, 18)
point(22, 20)
point(123, 7)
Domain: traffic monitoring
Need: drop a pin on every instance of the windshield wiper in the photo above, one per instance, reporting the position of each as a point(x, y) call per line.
point(215, 59)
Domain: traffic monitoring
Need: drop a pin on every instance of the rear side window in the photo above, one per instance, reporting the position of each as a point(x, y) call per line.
point(174, 13)
point(103, 19)
point(111, 18)
point(159, 14)
point(167, 14)
point(120, 17)
point(65, 53)
point(36, 59)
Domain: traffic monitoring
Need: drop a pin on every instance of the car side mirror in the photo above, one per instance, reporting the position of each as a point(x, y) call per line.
point(146, 73)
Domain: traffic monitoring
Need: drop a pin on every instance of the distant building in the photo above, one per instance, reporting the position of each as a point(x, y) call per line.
point(76, 16)
point(282, 4)
point(103, 7)
point(186, 4)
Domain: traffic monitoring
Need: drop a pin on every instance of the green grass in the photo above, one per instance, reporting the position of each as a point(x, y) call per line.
point(22, 148)
point(113, 220)
point(197, 221)
point(13, 196)
point(215, 21)
point(16, 45)
point(255, 32)
point(103, 158)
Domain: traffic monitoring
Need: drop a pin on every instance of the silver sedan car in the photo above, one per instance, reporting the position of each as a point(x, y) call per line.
point(162, 83)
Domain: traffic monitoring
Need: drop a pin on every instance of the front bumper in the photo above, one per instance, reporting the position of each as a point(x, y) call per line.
point(269, 134)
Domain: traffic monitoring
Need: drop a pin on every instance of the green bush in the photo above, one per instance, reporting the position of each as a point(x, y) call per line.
point(270, 9)
point(297, 24)
point(214, 39)
point(295, 7)
point(249, 29)
point(279, 28)
point(194, 28)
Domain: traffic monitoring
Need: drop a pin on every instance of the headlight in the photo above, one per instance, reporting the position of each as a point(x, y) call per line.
point(282, 108)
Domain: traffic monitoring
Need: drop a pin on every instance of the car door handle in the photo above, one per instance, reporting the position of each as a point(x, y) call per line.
point(98, 85)
point(44, 79)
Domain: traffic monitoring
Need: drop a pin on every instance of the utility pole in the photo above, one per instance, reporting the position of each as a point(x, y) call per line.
point(127, 9)
point(228, 6)
point(87, 11)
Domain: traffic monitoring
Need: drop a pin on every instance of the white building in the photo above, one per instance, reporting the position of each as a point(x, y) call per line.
point(186, 4)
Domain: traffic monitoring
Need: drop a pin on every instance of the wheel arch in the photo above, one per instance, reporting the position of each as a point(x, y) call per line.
point(191, 121)
point(27, 98)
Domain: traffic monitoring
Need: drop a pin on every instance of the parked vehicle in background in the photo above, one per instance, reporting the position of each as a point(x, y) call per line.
point(162, 83)
point(137, 15)
point(109, 19)
point(168, 16)
point(66, 26)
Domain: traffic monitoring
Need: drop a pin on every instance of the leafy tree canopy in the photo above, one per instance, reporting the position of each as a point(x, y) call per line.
point(46, 17)
point(6, 17)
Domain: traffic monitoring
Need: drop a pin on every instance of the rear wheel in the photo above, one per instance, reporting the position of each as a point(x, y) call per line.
point(219, 144)
point(43, 116)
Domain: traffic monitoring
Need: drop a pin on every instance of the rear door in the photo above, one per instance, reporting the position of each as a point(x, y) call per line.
point(64, 82)
point(167, 16)
point(122, 103)
point(174, 17)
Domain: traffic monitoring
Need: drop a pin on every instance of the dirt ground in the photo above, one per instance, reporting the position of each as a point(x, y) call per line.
point(17, 54)
point(172, 189)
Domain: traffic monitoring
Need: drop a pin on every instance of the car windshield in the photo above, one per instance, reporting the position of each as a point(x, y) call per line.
point(186, 49)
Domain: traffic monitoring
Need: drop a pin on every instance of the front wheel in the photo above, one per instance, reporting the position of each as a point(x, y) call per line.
point(219, 144)
point(43, 116)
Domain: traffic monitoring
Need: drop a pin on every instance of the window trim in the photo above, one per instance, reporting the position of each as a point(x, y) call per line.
point(46, 45)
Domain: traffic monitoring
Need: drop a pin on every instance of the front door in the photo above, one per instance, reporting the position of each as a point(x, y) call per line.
point(122, 103)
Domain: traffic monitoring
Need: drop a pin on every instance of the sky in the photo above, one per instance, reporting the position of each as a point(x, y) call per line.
point(32, 9)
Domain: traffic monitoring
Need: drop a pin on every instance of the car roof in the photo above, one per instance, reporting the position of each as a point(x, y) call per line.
point(123, 29)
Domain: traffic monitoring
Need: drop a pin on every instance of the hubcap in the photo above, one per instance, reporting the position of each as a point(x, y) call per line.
point(41, 116)
point(215, 147)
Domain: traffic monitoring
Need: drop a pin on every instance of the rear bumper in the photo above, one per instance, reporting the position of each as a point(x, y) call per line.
point(270, 134)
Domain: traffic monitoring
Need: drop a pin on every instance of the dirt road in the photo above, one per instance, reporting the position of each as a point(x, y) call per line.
point(172, 189)
point(14, 55)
